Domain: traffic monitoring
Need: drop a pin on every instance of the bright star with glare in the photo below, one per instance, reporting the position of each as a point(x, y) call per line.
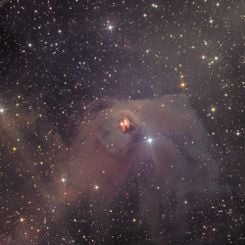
point(149, 140)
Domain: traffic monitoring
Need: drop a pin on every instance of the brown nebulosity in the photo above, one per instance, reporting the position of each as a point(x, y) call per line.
point(111, 157)
point(111, 150)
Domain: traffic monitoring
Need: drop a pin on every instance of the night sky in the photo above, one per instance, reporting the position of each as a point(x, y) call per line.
point(83, 81)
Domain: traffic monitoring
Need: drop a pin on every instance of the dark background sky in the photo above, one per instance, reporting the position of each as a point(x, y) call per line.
point(57, 56)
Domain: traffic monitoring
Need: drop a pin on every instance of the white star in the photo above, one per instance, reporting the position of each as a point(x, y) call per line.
point(154, 5)
point(238, 133)
point(110, 27)
point(63, 179)
point(149, 140)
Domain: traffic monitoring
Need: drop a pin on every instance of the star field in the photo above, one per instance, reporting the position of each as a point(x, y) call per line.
point(58, 59)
